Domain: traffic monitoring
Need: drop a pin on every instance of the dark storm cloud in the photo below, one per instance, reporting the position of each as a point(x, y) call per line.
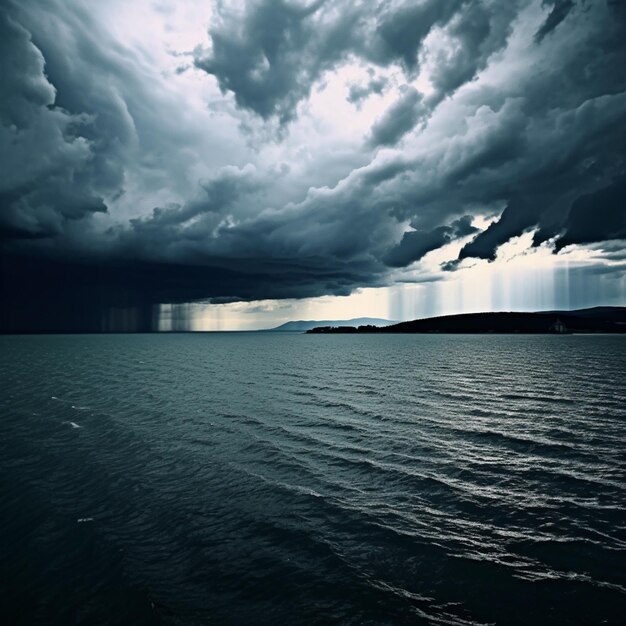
point(271, 54)
point(399, 30)
point(516, 218)
point(572, 136)
point(399, 119)
point(67, 131)
point(216, 196)
point(477, 30)
point(596, 216)
point(612, 250)
point(539, 144)
point(415, 244)
point(79, 121)
point(574, 153)
point(46, 159)
point(321, 245)
point(560, 9)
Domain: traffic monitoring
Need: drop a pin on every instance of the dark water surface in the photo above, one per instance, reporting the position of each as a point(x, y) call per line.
point(296, 479)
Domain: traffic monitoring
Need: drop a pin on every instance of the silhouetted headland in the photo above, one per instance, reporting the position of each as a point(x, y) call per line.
point(302, 325)
point(595, 320)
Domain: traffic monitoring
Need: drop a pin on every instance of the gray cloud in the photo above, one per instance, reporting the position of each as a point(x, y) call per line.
point(578, 147)
point(560, 9)
point(45, 151)
point(477, 30)
point(216, 196)
point(91, 126)
point(578, 151)
point(271, 54)
point(399, 119)
point(516, 218)
point(539, 144)
point(597, 216)
point(357, 93)
point(415, 244)
point(400, 30)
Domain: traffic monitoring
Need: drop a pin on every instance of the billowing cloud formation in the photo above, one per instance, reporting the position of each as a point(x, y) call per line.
point(375, 85)
point(46, 156)
point(399, 119)
point(270, 53)
point(144, 185)
point(416, 243)
point(560, 9)
point(597, 216)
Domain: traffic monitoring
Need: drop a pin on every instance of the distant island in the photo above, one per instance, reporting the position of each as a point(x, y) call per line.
point(306, 325)
point(605, 319)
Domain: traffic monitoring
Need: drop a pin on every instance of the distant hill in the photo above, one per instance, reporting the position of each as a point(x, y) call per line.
point(594, 320)
point(304, 325)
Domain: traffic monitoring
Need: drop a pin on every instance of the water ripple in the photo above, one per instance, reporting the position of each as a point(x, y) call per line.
point(263, 478)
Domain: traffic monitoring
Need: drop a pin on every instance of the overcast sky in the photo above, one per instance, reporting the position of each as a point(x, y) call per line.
point(278, 159)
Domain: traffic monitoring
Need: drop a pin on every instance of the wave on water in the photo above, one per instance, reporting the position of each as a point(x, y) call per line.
point(371, 479)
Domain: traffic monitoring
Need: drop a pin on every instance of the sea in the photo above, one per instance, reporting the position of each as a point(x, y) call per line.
point(285, 478)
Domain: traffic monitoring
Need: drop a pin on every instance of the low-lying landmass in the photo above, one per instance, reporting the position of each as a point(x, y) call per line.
point(606, 319)
point(306, 325)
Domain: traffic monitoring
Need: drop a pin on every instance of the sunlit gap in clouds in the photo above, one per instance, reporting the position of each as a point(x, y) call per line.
point(271, 313)
point(521, 279)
